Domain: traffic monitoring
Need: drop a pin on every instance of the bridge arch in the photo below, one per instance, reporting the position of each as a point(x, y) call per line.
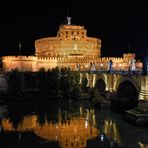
point(100, 85)
point(84, 80)
point(131, 80)
point(127, 91)
point(101, 82)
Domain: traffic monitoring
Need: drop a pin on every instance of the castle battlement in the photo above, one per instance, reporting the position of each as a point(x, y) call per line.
point(117, 59)
point(6, 58)
point(71, 27)
point(70, 48)
point(47, 58)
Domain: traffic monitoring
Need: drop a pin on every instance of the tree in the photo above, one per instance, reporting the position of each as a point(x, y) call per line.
point(69, 83)
point(41, 80)
point(55, 81)
point(65, 82)
point(75, 84)
point(14, 80)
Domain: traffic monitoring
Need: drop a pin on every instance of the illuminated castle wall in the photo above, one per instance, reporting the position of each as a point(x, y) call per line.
point(70, 48)
point(71, 41)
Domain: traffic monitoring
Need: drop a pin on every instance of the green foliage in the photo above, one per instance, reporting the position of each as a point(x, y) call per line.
point(55, 77)
point(41, 80)
point(14, 80)
point(30, 81)
point(62, 83)
point(69, 83)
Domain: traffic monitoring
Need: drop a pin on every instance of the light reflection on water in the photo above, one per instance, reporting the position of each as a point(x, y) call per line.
point(74, 129)
point(72, 132)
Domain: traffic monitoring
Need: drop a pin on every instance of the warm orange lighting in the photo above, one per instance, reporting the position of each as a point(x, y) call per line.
point(70, 46)
point(73, 132)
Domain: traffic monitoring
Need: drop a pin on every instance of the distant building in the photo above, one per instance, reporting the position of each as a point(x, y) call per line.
point(70, 48)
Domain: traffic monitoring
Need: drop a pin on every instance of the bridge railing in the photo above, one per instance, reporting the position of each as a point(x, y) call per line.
point(122, 72)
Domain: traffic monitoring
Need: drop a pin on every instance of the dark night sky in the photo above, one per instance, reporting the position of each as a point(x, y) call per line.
point(116, 24)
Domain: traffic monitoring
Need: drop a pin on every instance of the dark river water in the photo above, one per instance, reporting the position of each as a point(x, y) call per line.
point(67, 124)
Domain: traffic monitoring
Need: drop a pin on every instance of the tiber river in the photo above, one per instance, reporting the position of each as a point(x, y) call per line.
point(67, 124)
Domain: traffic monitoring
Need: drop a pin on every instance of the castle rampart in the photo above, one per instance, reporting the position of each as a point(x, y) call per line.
point(70, 48)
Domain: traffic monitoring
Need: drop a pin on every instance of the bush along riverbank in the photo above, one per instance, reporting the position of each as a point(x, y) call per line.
point(56, 83)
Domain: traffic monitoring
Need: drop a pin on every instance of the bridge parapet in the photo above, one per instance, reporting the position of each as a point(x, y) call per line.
point(113, 79)
point(143, 95)
point(122, 72)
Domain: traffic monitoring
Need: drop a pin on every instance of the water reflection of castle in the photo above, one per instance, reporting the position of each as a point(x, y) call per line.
point(111, 130)
point(74, 132)
point(70, 48)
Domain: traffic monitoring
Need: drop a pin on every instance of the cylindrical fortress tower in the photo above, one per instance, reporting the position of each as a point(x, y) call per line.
point(70, 48)
point(71, 41)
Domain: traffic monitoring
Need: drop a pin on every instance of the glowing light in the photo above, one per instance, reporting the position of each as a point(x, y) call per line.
point(56, 126)
point(120, 65)
point(86, 124)
point(102, 137)
point(81, 111)
point(70, 46)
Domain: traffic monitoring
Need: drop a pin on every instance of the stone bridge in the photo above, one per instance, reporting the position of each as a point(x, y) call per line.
point(119, 83)
point(122, 84)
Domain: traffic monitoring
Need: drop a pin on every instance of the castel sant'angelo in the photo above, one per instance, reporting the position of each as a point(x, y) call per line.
point(70, 48)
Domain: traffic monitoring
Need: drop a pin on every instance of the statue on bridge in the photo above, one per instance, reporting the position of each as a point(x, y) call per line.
point(78, 66)
point(110, 65)
point(132, 65)
point(92, 66)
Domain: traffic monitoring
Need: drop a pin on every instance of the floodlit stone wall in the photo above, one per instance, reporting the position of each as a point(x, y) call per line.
point(33, 63)
point(70, 41)
point(23, 63)
point(70, 48)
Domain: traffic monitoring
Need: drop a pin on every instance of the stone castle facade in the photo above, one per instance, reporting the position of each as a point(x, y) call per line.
point(70, 48)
